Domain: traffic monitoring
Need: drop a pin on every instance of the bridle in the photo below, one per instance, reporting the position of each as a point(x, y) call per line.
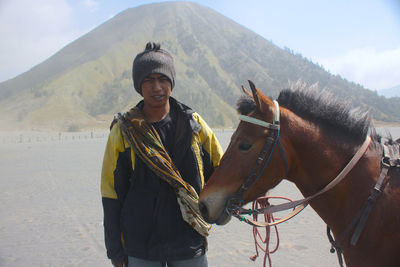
point(236, 201)
point(234, 204)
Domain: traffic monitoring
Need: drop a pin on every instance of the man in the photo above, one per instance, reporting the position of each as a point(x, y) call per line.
point(158, 157)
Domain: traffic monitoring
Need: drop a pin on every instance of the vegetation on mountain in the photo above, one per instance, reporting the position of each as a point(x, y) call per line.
point(89, 80)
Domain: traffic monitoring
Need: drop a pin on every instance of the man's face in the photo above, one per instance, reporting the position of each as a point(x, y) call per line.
point(156, 90)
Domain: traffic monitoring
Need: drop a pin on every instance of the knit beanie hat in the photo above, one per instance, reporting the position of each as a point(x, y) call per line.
point(152, 60)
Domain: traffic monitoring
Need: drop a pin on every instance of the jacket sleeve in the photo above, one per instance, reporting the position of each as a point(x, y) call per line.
point(210, 143)
point(114, 175)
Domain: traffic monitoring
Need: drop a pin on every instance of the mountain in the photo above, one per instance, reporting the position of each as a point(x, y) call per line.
point(390, 92)
point(89, 80)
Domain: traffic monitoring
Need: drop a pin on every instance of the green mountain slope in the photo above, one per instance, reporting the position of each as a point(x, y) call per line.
point(89, 80)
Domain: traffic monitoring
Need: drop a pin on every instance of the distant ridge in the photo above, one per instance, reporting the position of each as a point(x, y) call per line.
point(86, 82)
point(390, 92)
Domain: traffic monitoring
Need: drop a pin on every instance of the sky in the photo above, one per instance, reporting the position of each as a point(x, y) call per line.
point(357, 39)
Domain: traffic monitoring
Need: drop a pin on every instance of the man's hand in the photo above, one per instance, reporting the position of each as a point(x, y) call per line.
point(122, 263)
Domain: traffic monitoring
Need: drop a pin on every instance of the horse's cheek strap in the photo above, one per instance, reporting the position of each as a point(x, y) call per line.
point(253, 177)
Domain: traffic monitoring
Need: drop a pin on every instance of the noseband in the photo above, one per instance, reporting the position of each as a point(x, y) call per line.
point(235, 202)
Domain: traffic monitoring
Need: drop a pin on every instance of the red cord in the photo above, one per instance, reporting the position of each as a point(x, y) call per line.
point(259, 241)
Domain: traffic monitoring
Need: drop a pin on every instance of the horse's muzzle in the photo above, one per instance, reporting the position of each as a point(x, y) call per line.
point(223, 218)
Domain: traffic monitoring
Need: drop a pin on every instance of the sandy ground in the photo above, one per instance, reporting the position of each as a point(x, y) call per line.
point(51, 213)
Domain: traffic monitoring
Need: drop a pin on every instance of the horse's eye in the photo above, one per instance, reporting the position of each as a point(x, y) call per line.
point(245, 146)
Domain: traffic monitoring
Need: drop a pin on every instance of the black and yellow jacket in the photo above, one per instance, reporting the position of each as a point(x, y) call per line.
point(141, 215)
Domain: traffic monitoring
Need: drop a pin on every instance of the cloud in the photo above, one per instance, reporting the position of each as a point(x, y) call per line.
point(91, 5)
point(371, 68)
point(31, 32)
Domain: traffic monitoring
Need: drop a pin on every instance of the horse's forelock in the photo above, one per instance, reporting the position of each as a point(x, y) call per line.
point(245, 105)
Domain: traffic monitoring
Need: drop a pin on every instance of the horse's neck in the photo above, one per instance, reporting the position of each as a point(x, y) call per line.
point(316, 159)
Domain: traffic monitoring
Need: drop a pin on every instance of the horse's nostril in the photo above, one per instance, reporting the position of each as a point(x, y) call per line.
point(203, 210)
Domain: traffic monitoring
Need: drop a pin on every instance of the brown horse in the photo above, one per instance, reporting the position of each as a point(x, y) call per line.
point(317, 137)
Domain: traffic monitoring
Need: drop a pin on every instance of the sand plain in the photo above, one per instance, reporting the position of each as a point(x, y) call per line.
point(51, 212)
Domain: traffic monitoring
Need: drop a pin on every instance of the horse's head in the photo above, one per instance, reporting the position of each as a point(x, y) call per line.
point(254, 138)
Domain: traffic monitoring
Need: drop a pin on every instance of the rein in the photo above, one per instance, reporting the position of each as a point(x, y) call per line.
point(234, 204)
point(299, 205)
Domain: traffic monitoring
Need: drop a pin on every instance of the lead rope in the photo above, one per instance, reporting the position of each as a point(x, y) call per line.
point(259, 241)
point(259, 206)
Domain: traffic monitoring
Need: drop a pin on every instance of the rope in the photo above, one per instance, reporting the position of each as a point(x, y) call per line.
point(261, 242)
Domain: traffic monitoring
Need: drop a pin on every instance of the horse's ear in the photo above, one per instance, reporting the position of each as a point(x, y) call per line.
point(255, 95)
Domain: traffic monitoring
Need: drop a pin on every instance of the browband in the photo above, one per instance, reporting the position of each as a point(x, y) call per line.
point(274, 125)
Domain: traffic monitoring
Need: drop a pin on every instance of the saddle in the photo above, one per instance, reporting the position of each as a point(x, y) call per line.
point(391, 153)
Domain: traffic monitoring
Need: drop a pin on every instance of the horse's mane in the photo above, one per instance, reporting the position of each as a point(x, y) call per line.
point(321, 107)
